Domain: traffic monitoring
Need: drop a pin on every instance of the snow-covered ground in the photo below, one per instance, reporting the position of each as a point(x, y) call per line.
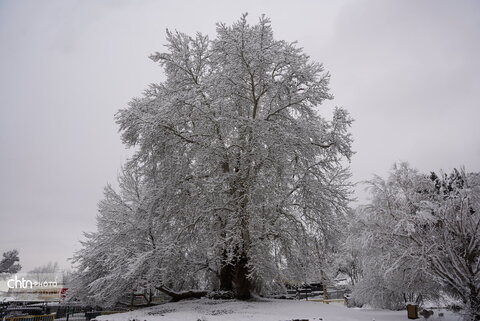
point(264, 310)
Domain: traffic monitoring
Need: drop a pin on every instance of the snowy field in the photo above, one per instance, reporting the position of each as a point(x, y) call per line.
point(265, 310)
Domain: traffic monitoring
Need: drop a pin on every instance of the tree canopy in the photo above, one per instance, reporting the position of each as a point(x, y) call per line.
point(235, 174)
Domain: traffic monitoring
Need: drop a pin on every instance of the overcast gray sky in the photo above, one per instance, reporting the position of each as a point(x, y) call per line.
point(408, 71)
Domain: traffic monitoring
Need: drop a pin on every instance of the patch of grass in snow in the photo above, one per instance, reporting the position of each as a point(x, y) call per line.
point(221, 311)
point(162, 311)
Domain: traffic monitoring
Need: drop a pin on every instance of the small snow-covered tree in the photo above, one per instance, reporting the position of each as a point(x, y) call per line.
point(451, 234)
point(8, 264)
point(394, 272)
point(421, 234)
point(239, 172)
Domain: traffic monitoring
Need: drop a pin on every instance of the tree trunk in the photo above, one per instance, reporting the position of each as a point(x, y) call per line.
point(474, 303)
point(226, 277)
point(132, 299)
point(323, 279)
point(241, 281)
point(226, 271)
point(324, 285)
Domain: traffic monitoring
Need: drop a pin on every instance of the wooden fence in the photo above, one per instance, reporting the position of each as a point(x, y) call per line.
point(45, 317)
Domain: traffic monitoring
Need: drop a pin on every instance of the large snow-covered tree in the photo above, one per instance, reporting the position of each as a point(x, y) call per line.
point(237, 171)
